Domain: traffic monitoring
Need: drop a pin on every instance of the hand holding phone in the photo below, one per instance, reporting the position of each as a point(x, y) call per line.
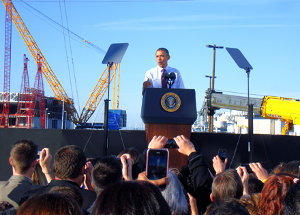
point(157, 165)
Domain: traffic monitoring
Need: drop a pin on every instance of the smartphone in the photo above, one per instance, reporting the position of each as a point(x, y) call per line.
point(157, 165)
point(38, 154)
point(222, 154)
point(248, 168)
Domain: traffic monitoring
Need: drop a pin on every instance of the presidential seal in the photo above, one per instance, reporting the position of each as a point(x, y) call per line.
point(170, 102)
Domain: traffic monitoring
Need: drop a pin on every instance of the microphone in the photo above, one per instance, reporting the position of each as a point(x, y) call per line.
point(166, 76)
point(172, 76)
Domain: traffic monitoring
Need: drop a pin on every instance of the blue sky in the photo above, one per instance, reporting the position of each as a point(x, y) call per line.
point(266, 31)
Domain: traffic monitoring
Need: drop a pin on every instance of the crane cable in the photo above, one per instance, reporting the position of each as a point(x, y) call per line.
point(72, 59)
point(66, 49)
point(86, 42)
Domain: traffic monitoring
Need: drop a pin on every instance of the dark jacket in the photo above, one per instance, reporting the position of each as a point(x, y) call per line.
point(196, 180)
point(88, 196)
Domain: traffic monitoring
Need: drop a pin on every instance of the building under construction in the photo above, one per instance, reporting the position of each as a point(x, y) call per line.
point(55, 115)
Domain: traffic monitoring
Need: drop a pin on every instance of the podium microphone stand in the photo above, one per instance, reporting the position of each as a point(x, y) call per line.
point(113, 55)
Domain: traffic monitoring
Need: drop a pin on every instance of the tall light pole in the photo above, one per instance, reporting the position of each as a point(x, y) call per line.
point(212, 88)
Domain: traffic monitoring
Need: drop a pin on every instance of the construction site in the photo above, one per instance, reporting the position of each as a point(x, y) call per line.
point(51, 121)
point(29, 108)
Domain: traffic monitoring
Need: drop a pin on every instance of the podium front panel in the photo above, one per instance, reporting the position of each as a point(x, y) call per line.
point(172, 106)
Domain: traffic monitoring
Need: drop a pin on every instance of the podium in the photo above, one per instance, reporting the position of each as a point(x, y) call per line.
point(169, 112)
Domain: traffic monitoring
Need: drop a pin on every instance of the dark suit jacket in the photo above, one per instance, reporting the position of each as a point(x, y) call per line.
point(88, 196)
point(13, 189)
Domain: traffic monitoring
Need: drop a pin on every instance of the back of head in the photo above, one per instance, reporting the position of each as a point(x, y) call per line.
point(255, 185)
point(23, 154)
point(291, 168)
point(175, 196)
point(291, 203)
point(133, 154)
point(226, 185)
point(133, 197)
point(68, 162)
point(107, 171)
point(71, 192)
point(273, 194)
point(251, 204)
point(227, 207)
point(51, 203)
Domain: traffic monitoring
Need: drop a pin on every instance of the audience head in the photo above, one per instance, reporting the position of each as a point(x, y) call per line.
point(68, 191)
point(251, 203)
point(133, 154)
point(291, 203)
point(107, 171)
point(69, 162)
point(23, 156)
point(273, 194)
point(227, 207)
point(226, 185)
point(175, 196)
point(278, 168)
point(291, 168)
point(255, 185)
point(132, 197)
point(51, 203)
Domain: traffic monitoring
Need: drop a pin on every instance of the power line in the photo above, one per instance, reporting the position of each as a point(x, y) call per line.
point(68, 30)
point(106, 1)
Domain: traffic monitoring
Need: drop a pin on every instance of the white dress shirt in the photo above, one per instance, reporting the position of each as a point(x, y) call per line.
point(154, 76)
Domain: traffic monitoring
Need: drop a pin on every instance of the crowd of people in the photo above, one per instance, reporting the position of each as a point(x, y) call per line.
point(71, 184)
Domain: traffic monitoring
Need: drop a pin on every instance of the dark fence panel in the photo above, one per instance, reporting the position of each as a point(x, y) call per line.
point(268, 149)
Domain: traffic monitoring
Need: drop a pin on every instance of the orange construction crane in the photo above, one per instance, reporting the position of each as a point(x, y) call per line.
point(52, 80)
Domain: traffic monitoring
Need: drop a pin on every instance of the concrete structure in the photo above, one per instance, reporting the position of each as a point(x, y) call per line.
point(237, 122)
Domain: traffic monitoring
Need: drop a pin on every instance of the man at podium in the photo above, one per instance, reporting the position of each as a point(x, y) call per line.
point(156, 77)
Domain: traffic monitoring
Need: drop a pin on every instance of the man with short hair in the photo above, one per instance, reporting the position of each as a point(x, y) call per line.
point(68, 168)
point(227, 185)
point(107, 171)
point(154, 77)
point(23, 158)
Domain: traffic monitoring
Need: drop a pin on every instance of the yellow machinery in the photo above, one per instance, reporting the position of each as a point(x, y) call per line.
point(270, 107)
point(52, 80)
point(285, 109)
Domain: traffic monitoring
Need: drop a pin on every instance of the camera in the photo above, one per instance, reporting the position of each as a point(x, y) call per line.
point(171, 144)
point(248, 168)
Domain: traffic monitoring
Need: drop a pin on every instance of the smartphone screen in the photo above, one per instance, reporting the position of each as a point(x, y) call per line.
point(157, 163)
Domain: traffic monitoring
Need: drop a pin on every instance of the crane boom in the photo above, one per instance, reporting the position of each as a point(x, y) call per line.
point(269, 107)
point(97, 94)
point(47, 72)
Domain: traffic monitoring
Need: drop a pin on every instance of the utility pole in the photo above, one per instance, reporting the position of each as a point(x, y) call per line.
point(212, 86)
